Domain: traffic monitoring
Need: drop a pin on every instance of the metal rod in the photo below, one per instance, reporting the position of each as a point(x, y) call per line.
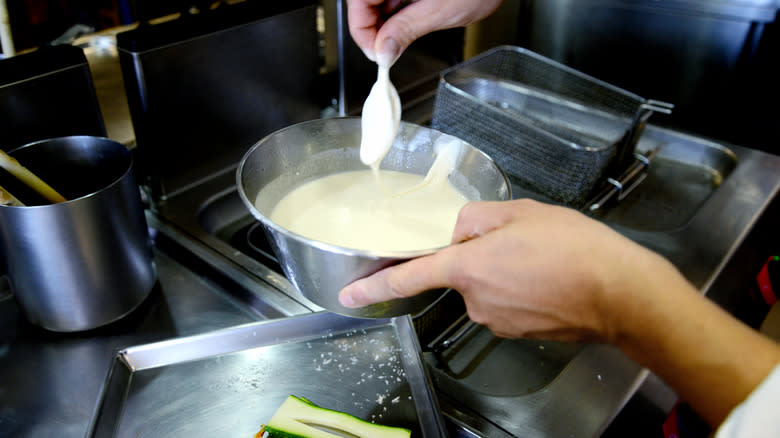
point(624, 184)
point(341, 24)
point(452, 334)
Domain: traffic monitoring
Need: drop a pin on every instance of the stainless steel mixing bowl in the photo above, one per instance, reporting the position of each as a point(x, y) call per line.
point(306, 151)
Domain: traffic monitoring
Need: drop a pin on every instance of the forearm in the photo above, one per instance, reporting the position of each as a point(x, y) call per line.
point(711, 359)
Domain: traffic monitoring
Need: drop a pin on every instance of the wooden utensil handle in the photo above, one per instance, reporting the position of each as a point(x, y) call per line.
point(13, 167)
point(6, 198)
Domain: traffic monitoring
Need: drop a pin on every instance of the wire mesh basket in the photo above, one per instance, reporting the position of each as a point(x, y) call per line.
point(554, 130)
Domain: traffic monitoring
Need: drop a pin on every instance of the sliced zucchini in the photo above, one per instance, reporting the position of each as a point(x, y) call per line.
point(300, 418)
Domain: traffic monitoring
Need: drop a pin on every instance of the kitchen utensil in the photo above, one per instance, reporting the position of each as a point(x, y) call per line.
point(6, 198)
point(300, 153)
point(13, 167)
point(556, 131)
point(47, 93)
point(380, 118)
point(82, 263)
point(230, 381)
point(204, 87)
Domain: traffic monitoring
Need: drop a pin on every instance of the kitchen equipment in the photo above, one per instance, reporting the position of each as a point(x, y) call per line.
point(715, 59)
point(7, 198)
point(556, 131)
point(204, 87)
point(231, 381)
point(83, 263)
point(47, 93)
point(299, 153)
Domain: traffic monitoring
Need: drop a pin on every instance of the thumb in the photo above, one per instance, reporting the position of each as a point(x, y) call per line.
point(401, 281)
point(421, 17)
point(404, 27)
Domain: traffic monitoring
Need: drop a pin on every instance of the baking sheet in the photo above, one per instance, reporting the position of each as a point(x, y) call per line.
point(230, 382)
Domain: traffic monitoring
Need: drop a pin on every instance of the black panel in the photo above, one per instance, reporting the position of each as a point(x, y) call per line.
point(47, 93)
point(205, 87)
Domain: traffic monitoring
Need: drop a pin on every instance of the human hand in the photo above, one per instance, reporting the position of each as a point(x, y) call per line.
point(527, 269)
point(383, 29)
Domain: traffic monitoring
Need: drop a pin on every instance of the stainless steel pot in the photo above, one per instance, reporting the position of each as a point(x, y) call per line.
point(83, 263)
point(300, 153)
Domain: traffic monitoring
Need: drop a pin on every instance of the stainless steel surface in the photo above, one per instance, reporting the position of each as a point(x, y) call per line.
point(623, 186)
point(83, 263)
point(203, 88)
point(230, 382)
point(300, 153)
point(47, 93)
point(205, 219)
point(597, 381)
point(679, 180)
point(709, 235)
point(714, 59)
point(452, 334)
point(626, 153)
point(555, 130)
point(477, 360)
point(50, 382)
point(580, 401)
point(576, 402)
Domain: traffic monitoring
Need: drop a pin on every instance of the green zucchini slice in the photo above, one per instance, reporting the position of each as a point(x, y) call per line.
point(300, 418)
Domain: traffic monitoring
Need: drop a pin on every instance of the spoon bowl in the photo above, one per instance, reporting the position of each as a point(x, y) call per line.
point(380, 119)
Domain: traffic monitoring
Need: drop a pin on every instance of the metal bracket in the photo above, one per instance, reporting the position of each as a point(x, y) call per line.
point(625, 184)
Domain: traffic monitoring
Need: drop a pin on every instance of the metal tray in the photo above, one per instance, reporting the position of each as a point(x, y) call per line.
point(230, 382)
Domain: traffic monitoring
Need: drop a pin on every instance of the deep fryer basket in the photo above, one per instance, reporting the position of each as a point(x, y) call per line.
point(554, 130)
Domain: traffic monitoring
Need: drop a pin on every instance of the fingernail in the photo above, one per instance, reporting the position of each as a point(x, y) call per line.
point(370, 54)
point(388, 53)
point(345, 298)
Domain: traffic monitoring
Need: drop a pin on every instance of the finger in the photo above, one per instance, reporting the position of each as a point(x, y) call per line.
point(401, 281)
point(363, 19)
point(479, 218)
point(418, 18)
point(404, 27)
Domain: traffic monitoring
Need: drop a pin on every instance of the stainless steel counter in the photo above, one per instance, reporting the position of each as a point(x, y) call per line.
point(50, 382)
point(591, 389)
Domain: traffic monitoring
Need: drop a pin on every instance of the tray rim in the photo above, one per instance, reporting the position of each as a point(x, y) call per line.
point(123, 363)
